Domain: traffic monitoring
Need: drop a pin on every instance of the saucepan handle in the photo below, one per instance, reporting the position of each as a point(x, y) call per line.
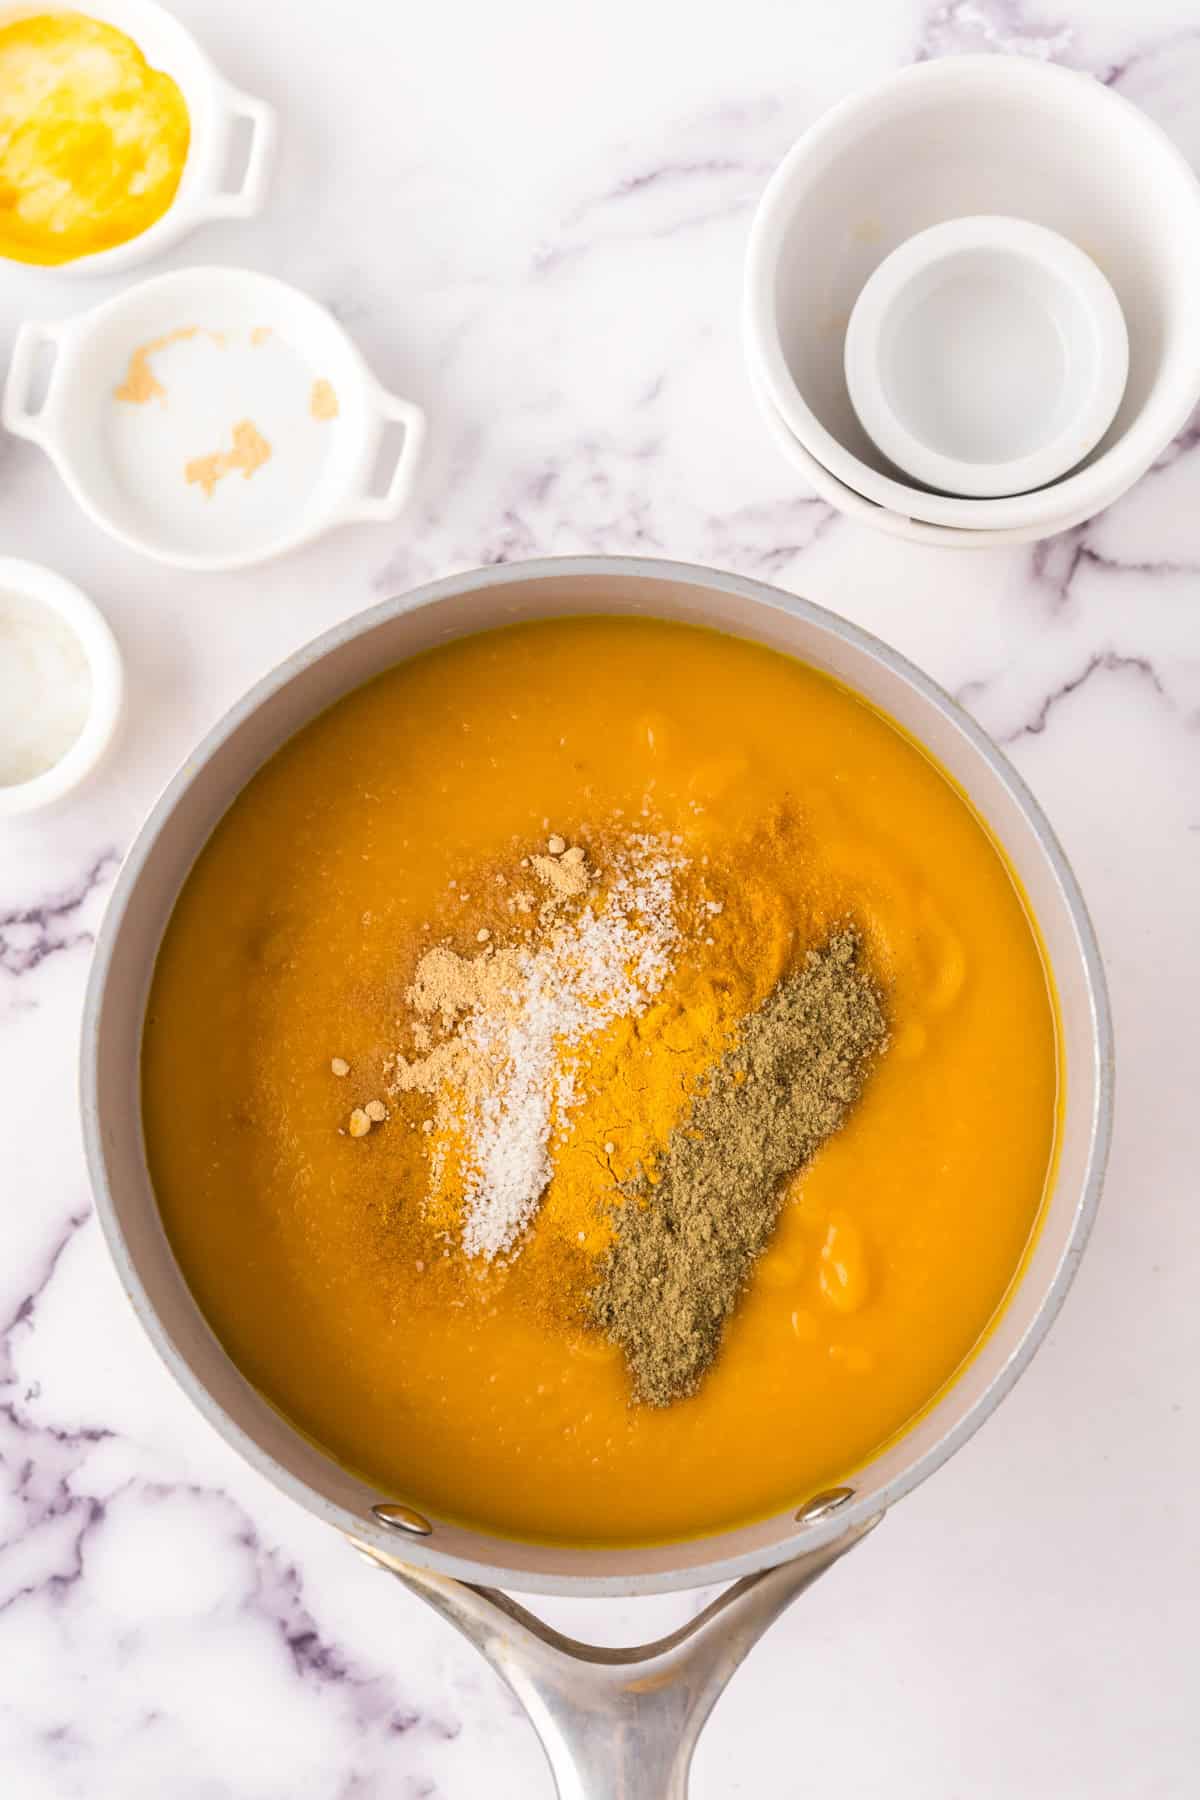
point(620, 1724)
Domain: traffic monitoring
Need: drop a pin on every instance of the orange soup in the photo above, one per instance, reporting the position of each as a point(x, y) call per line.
point(323, 1219)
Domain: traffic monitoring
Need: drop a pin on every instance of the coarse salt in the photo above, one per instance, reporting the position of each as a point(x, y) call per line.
point(606, 965)
point(45, 689)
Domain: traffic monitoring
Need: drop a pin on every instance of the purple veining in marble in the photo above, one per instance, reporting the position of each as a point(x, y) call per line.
point(535, 220)
point(32, 932)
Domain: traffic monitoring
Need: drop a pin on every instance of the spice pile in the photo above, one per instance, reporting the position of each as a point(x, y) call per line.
point(515, 1020)
point(688, 1236)
point(249, 452)
point(642, 994)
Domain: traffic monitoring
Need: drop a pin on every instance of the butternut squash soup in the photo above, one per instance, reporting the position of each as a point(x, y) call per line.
point(600, 1081)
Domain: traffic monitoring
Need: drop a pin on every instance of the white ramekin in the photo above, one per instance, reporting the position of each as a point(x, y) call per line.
point(883, 518)
point(90, 629)
point(986, 356)
point(217, 112)
point(76, 425)
point(953, 138)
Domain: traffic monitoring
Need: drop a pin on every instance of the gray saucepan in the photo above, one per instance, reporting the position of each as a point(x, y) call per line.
point(613, 1722)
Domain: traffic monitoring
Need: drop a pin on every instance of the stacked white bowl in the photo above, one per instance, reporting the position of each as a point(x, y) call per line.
point(1001, 145)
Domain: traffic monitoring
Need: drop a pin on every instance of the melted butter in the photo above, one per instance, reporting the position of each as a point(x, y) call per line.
point(92, 139)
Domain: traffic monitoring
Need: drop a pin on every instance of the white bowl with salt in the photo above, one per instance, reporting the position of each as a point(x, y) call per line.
point(61, 685)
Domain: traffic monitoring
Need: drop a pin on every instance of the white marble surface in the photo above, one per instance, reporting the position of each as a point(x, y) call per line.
point(532, 218)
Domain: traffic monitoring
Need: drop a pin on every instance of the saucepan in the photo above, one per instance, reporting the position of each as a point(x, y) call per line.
point(613, 1722)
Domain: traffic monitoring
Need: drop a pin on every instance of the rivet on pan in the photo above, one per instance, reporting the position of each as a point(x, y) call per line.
point(402, 1518)
point(821, 1505)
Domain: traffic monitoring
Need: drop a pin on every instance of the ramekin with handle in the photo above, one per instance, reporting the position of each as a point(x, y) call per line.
point(126, 464)
point(217, 112)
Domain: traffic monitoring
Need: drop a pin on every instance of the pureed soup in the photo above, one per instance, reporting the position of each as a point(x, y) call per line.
point(600, 1081)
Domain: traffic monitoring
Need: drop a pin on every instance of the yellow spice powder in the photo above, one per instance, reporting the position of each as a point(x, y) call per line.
point(642, 1074)
point(141, 384)
point(323, 401)
point(250, 451)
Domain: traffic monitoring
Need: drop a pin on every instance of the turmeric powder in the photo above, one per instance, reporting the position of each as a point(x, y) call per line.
point(643, 1074)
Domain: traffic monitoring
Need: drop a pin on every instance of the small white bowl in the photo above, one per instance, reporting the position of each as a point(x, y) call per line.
point(217, 112)
point(43, 588)
point(954, 138)
point(227, 347)
point(986, 356)
point(897, 524)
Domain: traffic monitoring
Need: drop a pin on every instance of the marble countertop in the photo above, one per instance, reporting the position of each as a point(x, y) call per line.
point(532, 219)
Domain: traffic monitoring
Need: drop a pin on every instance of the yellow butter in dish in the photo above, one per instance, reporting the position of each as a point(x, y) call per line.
point(92, 139)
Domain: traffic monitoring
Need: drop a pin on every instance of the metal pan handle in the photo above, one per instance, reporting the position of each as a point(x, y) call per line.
point(620, 1724)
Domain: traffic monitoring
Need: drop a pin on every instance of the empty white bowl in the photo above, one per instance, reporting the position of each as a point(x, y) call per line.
point(952, 139)
point(148, 396)
point(986, 356)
